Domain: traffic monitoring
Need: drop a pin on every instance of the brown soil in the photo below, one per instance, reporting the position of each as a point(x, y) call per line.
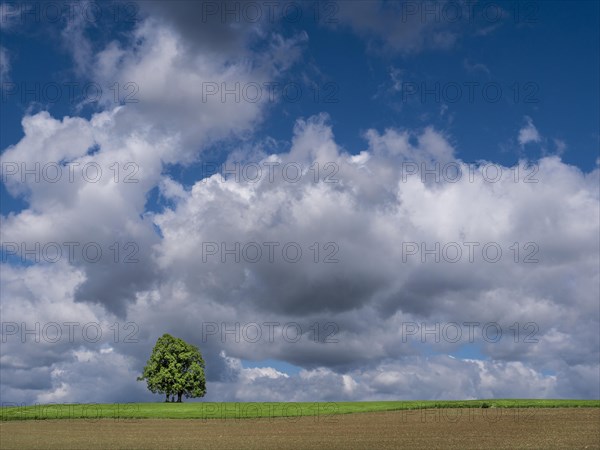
point(440, 428)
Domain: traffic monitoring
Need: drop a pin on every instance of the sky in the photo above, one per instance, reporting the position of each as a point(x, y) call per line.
point(335, 201)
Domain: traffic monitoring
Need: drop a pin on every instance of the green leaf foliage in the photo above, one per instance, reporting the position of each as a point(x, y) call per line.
point(175, 368)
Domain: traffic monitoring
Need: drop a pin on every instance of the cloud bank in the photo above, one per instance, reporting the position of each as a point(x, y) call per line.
point(392, 271)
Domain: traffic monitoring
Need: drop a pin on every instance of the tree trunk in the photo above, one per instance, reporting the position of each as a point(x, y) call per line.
point(167, 399)
point(179, 394)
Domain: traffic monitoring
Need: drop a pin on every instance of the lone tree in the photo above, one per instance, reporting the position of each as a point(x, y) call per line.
point(175, 368)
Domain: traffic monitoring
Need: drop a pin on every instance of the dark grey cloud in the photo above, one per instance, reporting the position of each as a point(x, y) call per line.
point(222, 26)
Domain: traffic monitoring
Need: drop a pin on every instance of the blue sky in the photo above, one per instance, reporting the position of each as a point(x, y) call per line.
point(383, 86)
point(543, 57)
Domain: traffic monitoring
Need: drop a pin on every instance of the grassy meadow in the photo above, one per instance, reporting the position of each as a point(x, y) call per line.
point(254, 410)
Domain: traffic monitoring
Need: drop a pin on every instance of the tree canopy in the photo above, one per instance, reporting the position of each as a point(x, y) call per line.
point(175, 368)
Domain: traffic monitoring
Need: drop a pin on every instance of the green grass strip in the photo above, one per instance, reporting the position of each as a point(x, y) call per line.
point(254, 410)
